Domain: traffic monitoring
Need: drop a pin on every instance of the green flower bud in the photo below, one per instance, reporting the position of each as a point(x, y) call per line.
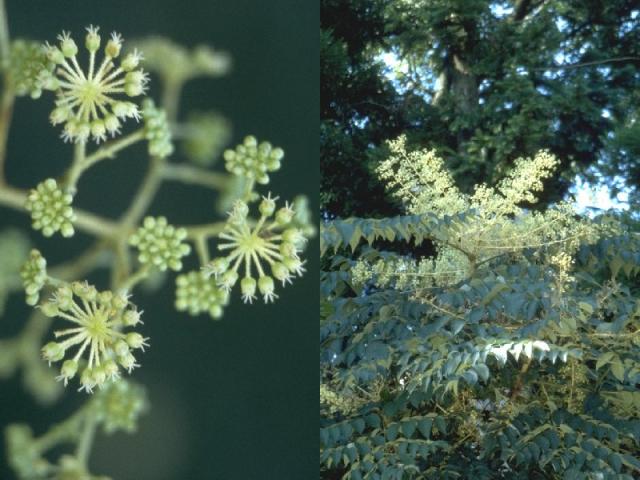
point(127, 361)
point(49, 309)
point(266, 287)
point(131, 318)
point(267, 206)
point(121, 348)
point(248, 289)
point(53, 352)
point(131, 61)
point(92, 40)
point(114, 45)
point(67, 46)
point(216, 267)
point(68, 371)
point(284, 216)
point(87, 381)
point(281, 272)
point(135, 340)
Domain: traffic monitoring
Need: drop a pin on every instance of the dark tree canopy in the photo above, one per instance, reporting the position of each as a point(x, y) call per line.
point(483, 83)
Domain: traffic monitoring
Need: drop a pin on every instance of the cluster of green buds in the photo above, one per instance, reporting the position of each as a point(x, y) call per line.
point(273, 240)
point(118, 406)
point(205, 135)
point(50, 208)
point(196, 293)
point(98, 319)
point(14, 249)
point(160, 244)
point(34, 276)
point(253, 160)
point(156, 130)
point(85, 101)
point(29, 68)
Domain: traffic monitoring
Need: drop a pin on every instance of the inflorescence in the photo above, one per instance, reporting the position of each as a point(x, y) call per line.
point(34, 276)
point(197, 293)
point(98, 319)
point(272, 240)
point(50, 208)
point(160, 244)
point(253, 160)
point(85, 101)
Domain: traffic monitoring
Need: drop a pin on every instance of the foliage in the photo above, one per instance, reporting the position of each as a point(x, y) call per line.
point(482, 83)
point(509, 352)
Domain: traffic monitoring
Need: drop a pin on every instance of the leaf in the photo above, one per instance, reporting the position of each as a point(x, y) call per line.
point(392, 432)
point(604, 359)
point(495, 291)
point(586, 307)
point(617, 369)
point(424, 426)
point(483, 371)
point(471, 377)
point(408, 428)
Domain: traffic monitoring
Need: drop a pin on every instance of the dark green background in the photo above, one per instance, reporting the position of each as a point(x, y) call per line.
point(235, 399)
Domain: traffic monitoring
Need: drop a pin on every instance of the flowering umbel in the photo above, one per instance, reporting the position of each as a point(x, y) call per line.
point(85, 99)
point(273, 240)
point(98, 318)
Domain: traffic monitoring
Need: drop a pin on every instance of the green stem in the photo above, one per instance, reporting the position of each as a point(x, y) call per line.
point(195, 176)
point(64, 431)
point(82, 162)
point(144, 196)
point(205, 231)
point(77, 167)
point(111, 148)
point(136, 278)
point(202, 248)
point(171, 98)
point(86, 440)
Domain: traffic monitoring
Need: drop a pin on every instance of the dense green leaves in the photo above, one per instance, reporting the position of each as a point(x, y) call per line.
point(504, 374)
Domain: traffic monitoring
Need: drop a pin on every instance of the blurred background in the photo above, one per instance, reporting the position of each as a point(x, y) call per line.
point(233, 399)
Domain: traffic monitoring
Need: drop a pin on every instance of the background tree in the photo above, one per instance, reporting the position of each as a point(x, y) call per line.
point(481, 81)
